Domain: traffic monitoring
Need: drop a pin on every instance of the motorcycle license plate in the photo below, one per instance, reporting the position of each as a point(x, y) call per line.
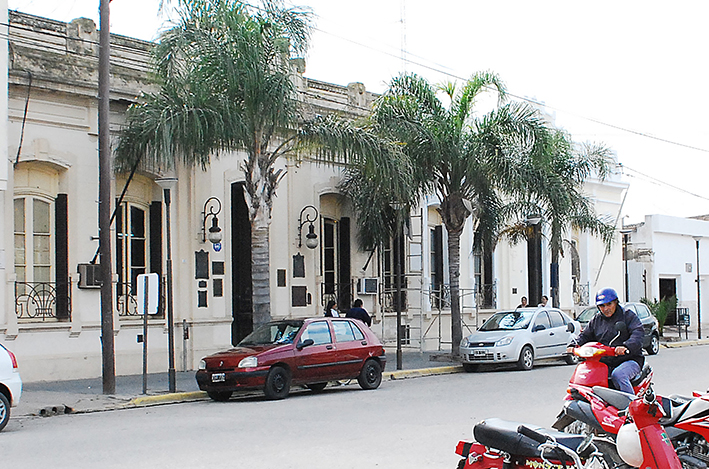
point(218, 377)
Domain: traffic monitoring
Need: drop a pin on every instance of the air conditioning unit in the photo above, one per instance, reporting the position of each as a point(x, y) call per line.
point(367, 286)
point(90, 276)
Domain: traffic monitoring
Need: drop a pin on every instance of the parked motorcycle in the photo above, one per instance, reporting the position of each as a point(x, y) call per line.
point(642, 442)
point(502, 444)
point(686, 420)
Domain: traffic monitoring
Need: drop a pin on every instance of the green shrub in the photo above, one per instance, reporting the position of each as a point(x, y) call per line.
point(661, 309)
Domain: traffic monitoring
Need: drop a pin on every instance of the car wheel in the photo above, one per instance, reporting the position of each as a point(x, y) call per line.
point(526, 358)
point(277, 383)
point(371, 375)
point(220, 396)
point(316, 387)
point(571, 359)
point(470, 367)
point(4, 411)
point(654, 346)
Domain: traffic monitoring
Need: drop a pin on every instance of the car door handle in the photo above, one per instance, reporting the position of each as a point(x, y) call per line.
point(551, 333)
point(329, 347)
point(364, 342)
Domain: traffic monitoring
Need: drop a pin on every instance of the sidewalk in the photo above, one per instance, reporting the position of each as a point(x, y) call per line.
point(47, 398)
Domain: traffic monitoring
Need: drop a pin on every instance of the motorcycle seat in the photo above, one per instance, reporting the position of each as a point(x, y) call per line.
point(503, 435)
point(618, 399)
point(674, 408)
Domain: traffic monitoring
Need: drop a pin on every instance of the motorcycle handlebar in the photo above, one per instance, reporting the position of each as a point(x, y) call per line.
point(528, 432)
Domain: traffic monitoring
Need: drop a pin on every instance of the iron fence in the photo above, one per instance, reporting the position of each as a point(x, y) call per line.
point(39, 301)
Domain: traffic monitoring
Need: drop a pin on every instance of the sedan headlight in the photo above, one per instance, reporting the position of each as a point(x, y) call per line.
point(465, 342)
point(504, 341)
point(202, 365)
point(248, 362)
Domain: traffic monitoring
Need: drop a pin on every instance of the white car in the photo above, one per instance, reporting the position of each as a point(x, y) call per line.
point(520, 336)
point(10, 384)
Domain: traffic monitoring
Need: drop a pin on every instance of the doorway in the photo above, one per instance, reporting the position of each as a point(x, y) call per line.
point(241, 299)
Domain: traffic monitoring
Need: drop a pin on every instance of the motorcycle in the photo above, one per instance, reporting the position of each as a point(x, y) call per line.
point(642, 442)
point(586, 399)
point(502, 444)
point(686, 420)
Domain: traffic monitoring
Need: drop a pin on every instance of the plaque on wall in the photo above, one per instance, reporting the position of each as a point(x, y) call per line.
point(298, 266)
point(201, 264)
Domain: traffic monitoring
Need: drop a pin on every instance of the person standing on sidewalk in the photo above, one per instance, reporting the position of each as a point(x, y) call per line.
point(358, 312)
point(628, 343)
point(331, 309)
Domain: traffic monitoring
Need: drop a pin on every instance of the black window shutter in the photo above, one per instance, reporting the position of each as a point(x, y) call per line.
point(156, 237)
point(61, 237)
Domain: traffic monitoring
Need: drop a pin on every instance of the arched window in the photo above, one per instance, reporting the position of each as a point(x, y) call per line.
point(33, 239)
point(131, 253)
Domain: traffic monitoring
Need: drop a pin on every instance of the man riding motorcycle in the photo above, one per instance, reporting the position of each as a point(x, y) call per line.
point(628, 341)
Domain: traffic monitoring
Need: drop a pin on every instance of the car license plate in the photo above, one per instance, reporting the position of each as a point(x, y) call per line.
point(218, 377)
point(479, 353)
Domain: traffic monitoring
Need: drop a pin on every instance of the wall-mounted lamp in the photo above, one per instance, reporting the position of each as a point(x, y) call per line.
point(214, 234)
point(311, 239)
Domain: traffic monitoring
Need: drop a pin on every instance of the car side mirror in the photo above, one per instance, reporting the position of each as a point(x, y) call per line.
point(539, 327)
point(304, 343)
point(570, 328)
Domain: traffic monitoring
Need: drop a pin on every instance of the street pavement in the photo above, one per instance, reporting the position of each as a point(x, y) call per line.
point(47, 398)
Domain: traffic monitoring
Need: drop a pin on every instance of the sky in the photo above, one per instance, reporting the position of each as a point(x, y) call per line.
point(629, 74)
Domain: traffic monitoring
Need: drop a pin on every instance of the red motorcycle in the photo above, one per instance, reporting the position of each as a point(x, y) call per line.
point(587, 403)
point(501, 444)
point(643, 442)
point(508, 445)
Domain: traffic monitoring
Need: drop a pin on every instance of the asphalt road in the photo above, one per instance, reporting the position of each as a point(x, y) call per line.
point(413, 423)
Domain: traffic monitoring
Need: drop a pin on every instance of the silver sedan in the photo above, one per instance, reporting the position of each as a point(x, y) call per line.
point(520, 336)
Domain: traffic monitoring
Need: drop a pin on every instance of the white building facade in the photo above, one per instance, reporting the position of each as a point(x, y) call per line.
point(51, 304)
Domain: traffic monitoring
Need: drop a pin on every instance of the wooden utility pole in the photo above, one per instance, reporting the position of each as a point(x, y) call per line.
point(104, 205)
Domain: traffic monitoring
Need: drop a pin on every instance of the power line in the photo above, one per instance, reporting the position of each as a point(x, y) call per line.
point(663, 183)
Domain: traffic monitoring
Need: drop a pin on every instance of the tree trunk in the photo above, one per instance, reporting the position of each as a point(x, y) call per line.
point(260, 275)
point(454, 272)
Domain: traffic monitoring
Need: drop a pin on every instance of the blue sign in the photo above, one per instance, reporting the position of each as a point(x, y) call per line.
point(217, 247)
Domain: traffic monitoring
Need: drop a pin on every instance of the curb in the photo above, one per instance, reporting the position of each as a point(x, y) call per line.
point(686, 343)
point(172, 398)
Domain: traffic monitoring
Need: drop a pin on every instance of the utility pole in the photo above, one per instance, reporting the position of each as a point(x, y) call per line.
point(104, 204)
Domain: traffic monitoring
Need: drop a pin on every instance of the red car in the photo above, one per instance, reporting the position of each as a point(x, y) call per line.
point(308, 352)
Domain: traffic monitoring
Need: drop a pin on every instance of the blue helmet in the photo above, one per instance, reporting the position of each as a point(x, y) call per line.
point(605, 295)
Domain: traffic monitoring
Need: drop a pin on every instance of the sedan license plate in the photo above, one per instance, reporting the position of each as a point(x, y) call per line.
point(218, 377)
point(479, 353)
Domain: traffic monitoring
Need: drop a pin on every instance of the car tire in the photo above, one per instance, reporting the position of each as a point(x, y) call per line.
point(526, 359)
point(470, 367)
point(4, 411)
point(219, 396)
point(654, 346)
point(277, 383)
point(316, 387)
point(571, 359)
point(371, 375)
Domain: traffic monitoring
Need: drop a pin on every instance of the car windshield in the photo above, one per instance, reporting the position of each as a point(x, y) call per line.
point(587, 314)
point(280, 332)
point(508, 320)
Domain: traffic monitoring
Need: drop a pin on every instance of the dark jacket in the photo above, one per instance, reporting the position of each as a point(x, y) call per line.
point(602, 329)
point(361, 314)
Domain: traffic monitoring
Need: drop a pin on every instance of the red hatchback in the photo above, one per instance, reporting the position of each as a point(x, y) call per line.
point(308, 352)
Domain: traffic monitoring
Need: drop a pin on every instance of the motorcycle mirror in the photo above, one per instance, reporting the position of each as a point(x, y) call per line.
point(621, 327)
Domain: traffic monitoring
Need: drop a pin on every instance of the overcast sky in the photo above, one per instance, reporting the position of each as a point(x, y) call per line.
point(630, 74)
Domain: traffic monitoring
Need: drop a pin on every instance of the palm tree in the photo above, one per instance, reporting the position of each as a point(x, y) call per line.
point(225, 85)
point(468, 161)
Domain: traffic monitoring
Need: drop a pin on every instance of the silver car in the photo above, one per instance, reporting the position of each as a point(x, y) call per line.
point(520, 336)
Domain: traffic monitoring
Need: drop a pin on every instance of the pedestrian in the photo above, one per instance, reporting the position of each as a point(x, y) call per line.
point(523, 303)
point(331, 309)
point(545, 299)
point(628, 343)
point(358, 312)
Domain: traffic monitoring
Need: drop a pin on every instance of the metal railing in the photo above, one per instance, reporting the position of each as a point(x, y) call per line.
point(38, 301)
